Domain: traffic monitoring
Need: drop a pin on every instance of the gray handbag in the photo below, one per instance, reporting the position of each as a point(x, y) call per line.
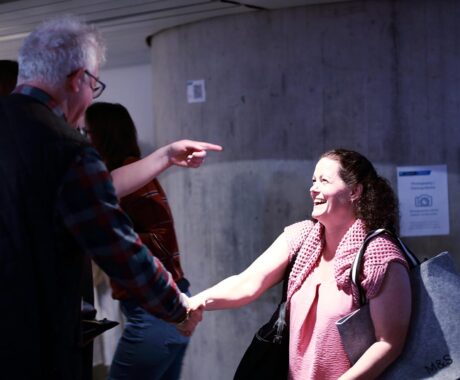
point(432, 348)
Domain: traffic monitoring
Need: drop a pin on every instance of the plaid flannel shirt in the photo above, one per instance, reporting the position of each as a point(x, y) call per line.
point(89, 208)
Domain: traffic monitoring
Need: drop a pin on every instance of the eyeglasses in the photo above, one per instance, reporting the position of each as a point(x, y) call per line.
point(98, 88)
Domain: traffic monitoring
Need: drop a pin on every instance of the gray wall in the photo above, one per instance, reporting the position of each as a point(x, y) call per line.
point(381, 77)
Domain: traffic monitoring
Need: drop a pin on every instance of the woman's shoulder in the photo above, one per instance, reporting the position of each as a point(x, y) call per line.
point(300, 227)
point(297, 233)
point(380, 253)
point(382, 250)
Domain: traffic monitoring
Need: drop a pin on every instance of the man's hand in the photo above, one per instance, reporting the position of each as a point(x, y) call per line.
point(187, 327)
point(194, 316)
point(189, 153)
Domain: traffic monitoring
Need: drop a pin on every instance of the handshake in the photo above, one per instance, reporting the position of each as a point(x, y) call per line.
point(194, 316)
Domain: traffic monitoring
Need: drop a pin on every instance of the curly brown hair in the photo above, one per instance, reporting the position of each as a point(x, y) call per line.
point(378, 205)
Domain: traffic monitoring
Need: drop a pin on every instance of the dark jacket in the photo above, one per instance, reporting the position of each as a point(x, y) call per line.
point(41, 267)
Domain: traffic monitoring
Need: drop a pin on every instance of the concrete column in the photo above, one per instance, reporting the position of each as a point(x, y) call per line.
point(380, 77)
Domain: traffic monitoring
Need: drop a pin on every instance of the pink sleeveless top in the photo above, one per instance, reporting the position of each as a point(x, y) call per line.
point(315, 348)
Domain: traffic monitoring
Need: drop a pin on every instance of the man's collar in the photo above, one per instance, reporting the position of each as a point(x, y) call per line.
point(42, 97)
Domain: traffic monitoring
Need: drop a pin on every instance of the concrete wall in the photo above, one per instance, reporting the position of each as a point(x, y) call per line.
point(131, 86)
point(381, 77)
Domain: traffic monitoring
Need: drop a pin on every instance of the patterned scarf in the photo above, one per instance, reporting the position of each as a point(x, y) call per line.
point(310, 245)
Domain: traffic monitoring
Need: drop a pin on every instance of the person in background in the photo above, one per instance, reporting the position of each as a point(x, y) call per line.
point(59, 209)
point(349, 200)
point(150, 348)
point(8, 76)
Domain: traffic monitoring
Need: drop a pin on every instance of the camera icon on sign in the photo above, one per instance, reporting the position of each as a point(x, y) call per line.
point(424, 200)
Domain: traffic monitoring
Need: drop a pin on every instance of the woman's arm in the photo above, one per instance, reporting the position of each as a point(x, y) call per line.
point(185, 153)
point(239, 290)
point(390, 313)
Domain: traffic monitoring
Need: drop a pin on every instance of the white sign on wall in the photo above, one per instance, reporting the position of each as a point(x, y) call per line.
point(196, 92)
point(423, 200)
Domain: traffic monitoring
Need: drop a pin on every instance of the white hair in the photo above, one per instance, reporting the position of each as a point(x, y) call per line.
point(58, 47)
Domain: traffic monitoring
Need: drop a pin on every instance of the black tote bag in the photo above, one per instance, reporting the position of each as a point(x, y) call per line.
point(267, 357)
point(432, 348)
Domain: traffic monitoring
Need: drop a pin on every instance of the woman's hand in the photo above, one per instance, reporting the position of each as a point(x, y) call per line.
point(197, 301)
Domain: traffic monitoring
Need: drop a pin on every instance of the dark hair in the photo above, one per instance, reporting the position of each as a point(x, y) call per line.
point(377, 205)
point(8, 76)
point(112, 132)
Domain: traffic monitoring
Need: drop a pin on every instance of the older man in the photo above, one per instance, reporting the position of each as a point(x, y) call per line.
point(59, 207)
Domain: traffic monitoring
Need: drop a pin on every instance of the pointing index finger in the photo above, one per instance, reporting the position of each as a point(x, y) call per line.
point(209, 146)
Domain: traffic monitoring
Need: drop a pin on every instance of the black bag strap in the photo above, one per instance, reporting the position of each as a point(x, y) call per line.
point(412, 260)
point(286, 277)
point(280, 323)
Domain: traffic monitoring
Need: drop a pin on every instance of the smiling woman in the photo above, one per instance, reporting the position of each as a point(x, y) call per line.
point(345, 187)
point(377, 204)
point(332, 198)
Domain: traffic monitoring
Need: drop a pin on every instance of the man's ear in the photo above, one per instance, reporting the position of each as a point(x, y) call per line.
point(356, 192)
point(74, 80)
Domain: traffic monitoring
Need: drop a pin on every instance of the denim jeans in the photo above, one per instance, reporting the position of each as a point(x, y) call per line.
point(149, 349)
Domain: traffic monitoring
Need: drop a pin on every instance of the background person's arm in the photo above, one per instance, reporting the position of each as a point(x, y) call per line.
point(184, 153)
